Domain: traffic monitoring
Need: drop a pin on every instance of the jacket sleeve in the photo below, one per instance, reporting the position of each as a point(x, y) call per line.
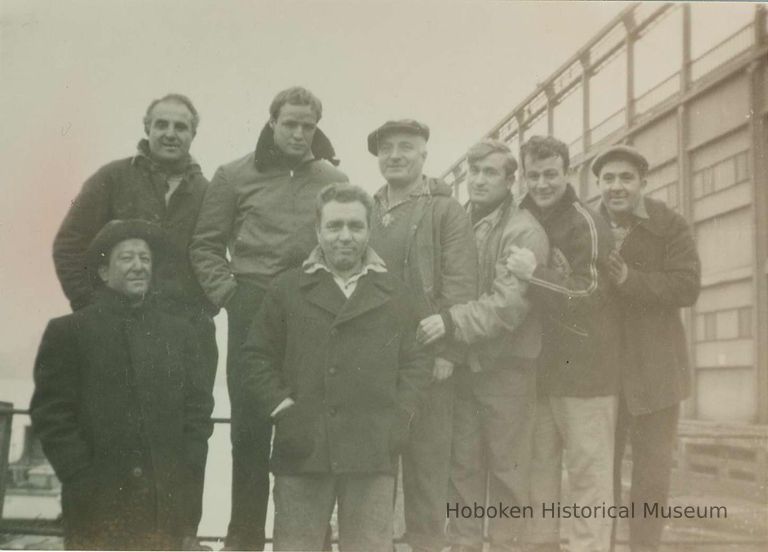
point(263, 354)
point(87, 215)
point(208, 248)
point(678, 282)
point(556, 291)
point(459, 272)
point(198, 405)
point(55, 406)
point(505, 307)
point(415, 370)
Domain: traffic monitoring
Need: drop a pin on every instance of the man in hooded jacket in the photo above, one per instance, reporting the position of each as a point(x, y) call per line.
point(261, 210)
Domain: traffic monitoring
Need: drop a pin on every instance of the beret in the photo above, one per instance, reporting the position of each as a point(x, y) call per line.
point(409, 126)
point(619, 151)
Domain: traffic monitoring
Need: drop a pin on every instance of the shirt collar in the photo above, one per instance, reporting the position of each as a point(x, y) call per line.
point(371, 262)
point(423, 189)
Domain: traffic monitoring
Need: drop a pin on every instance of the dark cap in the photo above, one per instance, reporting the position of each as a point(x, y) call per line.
point(408, 126)
point(620, 151)
point(116, 231)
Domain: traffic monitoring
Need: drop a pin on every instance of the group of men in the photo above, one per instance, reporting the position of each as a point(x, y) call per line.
point(477, 349)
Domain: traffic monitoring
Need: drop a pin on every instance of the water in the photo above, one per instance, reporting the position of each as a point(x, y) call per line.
point(218, 479)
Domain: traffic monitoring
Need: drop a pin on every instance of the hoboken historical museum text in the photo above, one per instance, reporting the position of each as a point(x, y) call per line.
point(565, 511)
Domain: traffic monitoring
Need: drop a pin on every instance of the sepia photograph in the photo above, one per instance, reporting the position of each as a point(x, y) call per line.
point(378, 275)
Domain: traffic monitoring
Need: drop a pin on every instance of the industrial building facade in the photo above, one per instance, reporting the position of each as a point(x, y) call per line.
point(687, 85)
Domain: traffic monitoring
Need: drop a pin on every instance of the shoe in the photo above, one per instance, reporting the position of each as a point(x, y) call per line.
point(191, 543)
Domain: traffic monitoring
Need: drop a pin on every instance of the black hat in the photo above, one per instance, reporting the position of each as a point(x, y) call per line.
point(409, 126)
point(116, 231)
point(620, 151)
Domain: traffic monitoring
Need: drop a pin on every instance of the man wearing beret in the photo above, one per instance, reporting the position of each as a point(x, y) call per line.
point(655, 271)
point(164, 185)
point(256, 221)
point(578, 368)
point(331, 358)
point(426, 240)
point(121, 402)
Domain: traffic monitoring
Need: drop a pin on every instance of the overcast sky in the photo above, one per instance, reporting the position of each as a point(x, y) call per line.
point(76, 76)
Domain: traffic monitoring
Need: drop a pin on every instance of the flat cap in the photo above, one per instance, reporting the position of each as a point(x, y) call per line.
point(116, 231)
point(620, 151)
point(409, 126)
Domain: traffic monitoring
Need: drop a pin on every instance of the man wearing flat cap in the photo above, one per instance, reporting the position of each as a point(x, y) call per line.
point(121, 402)
point(426, 240)
point(655, 271)
point(257, 221)
point(162, 184)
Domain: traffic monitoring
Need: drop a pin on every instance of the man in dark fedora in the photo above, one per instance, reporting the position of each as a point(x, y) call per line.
point(331, 358)
point(655, 271)
point(426, 240)
point(256, 221)
point(121, 403)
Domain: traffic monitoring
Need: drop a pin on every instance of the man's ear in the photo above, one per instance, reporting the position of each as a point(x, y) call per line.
point(103, 269)
point(272, 123)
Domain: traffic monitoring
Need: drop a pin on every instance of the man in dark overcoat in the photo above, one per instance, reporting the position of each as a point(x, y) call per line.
point(331, 358)
point(655, 271)
point(121, 405)
point(162, 184)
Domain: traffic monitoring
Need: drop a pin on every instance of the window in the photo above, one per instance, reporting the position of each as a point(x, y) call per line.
point(723, 325)
point(721, 175)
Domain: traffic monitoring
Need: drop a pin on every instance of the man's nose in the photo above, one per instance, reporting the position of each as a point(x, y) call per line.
point(345, 234)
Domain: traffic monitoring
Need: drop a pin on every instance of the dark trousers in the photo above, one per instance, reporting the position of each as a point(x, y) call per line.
point(493, 426)
point(426, 469)
point(250, 435)
point(109, 512)
point(205, 337)
point(652, 438)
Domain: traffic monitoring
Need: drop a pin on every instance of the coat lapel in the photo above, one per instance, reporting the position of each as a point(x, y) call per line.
point(320, 290)
point(372, 292)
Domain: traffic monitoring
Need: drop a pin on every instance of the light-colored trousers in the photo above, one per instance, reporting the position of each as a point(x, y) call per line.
point(579, 431)
point(304, 504)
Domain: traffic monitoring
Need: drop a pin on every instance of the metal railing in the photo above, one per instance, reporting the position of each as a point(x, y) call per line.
point(723, 52)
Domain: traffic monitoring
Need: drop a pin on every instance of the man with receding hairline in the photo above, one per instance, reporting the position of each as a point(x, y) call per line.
point(164, 185)
point(425, 237)
point(257, 221)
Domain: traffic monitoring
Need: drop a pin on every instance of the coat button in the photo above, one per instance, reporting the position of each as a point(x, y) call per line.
point(334, 332)
point(137, 472)
point(332, 370)
point(332, 411)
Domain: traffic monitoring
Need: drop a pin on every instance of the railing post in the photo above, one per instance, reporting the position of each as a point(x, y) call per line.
point(6, 422)
point(586, 127)
point(685, 70)
point(629, 25)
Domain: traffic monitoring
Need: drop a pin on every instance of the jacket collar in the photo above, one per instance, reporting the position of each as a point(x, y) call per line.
point(569, 198)
point(373, 290)
point(267, 155)
point(316, 261)
point(656, 219)
point(495, 217)
point(108, 299)
point(640, 211)
point(186, 167)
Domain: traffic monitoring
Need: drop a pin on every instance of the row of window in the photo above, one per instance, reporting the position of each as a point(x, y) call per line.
point(721, 175)
point(723, 325)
